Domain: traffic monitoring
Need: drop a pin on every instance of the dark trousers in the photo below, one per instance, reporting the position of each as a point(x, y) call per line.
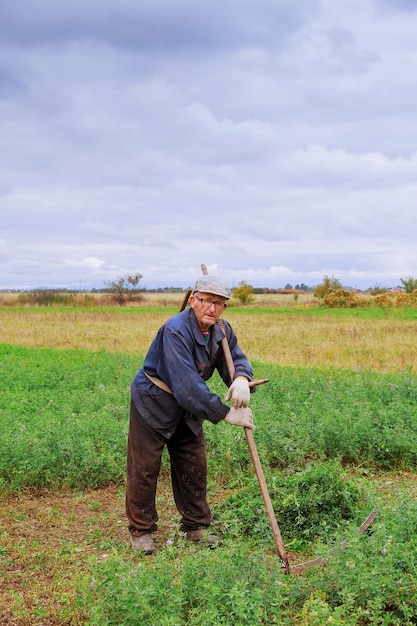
point(188, 459)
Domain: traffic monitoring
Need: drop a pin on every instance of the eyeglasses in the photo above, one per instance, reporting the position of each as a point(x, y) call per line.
point(207, 302)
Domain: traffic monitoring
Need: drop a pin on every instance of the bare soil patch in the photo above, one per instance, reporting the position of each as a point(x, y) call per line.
point(48, 541)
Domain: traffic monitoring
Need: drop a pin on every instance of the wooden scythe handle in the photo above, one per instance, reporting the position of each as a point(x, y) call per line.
point(185, 301)
point(258, 468)
point(189, 291)
point(255, 456)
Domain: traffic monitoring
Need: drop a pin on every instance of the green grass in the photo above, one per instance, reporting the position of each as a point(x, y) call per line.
point(65, 417)
point(321, 434)
point(377, 313)
point(306, 413)
point(169, 309)
point(371, 581)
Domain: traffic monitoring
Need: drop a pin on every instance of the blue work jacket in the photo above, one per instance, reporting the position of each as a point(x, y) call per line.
point(180, 357)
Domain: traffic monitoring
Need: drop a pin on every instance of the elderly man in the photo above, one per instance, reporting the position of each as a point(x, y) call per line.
point(170, 401)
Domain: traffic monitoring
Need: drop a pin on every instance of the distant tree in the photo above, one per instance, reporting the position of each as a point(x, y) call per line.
point(47, 297)
point(327, 286)
point(243, 293)
point(376, 290)
point(288, 286)
point(125, 289)
point(409, 284)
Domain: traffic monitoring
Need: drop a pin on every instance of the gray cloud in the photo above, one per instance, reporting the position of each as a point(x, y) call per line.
point(272, 141)
point(160, 25)
point(395, 6)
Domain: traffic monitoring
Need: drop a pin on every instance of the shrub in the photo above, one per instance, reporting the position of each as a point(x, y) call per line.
point(244, 293)
point(406, 299)
point(341, 298)
point(46, 297)
point(387, 298)
point(327, 286)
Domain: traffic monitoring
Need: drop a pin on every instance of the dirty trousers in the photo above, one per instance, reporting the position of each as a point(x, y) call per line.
point(188, 460)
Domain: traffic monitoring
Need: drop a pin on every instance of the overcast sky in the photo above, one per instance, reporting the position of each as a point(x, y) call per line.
point(273, 140)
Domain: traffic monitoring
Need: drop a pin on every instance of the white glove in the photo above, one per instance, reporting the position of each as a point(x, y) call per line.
point(240, 417)
point(239, 392)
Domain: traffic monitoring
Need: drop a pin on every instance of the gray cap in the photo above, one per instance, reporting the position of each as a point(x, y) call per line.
point(212, 284)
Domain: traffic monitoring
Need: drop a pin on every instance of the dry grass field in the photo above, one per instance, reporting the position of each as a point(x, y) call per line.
point(268, 332)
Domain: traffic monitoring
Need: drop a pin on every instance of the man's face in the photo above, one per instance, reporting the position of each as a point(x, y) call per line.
point(207, 308)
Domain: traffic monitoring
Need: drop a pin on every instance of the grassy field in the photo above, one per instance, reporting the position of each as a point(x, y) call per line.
point(336, 432)
point(378, 339)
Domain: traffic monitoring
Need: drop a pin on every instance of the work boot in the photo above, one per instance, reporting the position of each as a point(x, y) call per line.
point(202, 535)
point(144, 543)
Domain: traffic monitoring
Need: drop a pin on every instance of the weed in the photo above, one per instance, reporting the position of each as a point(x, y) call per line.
point(309, 504)
point(372, 580)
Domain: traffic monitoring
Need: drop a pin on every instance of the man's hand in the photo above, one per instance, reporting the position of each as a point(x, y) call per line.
point(240, 417)
point(239, 393)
